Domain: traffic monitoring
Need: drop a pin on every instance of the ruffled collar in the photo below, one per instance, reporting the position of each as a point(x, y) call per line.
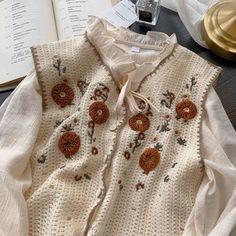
point(128, 69)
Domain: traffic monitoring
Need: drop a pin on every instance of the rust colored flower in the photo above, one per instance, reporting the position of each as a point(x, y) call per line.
point(155, 139)
point(69, 144)
point(91, 124)
point(139, 185)
point(177, 133)
point(186, 110)
point(170, 96)
point(141, 136)
point(80, 83)
point(99, 112)
point(97, 92)
point(149, 159)
point(168, 117)
point(139, 123)
point(78, 177)
point(127, 155)
point(94, 151)
point(62, 94)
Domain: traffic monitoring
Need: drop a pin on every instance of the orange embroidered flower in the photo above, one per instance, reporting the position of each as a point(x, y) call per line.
point(94, 151)
point(99, 112)
point(69, 144)
point(127, 155)
point(139, 123)
point(149, 159)
point(186, 110)
point(141, 136)
point(91, 124)
point(98, 92)
point(62, 94)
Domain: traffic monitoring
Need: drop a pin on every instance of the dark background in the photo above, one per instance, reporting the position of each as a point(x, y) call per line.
point(169, 22)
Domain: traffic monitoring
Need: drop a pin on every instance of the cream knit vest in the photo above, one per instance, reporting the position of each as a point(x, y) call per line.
point(105, 183)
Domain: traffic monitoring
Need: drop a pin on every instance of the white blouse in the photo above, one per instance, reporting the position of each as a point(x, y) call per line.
point(214, 211)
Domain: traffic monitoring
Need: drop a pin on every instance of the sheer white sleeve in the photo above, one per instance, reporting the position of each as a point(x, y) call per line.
point(214, 212)
point(20, 118)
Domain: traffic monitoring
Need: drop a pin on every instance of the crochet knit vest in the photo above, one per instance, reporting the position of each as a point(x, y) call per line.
point(101, 171)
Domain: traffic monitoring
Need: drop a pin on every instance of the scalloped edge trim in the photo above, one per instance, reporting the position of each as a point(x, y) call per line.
point(211, 82)
point(39, 72)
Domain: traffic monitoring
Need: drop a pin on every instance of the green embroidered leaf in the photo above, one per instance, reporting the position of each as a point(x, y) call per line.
point(181, 141)
point(159, 146)
point(41, 159)
point(87, 176)
point(166, 179)
point(58, 122)
point(165, 127)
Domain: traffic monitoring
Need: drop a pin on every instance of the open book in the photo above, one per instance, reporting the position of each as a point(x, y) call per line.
point(24, 23)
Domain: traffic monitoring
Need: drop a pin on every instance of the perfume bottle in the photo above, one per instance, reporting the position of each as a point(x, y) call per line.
point(148, 11)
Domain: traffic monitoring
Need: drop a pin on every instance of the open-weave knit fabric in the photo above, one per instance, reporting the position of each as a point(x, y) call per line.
point(97, 171)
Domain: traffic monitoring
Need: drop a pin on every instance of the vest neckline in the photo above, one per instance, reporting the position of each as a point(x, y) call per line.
point(102, 36)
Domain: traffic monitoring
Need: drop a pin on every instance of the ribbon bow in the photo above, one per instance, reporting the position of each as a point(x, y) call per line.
point(126, 92)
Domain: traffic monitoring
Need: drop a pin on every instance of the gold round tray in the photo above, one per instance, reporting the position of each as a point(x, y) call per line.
point(219, 29)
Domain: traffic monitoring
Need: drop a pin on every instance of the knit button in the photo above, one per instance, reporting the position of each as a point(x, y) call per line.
point(99, 112)
point(62, 94)
point(186, 110)
point(149, 159)
point(139, 123)
point(69, 144)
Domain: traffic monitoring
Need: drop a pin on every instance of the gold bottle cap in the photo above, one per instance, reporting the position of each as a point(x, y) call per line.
point(219, 29)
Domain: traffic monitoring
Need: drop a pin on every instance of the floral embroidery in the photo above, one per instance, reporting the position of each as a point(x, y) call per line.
point(139, 186)
point(149, 159)
point(91, 126)
point(101, 93)
point(192, 83)
point(120, 185)
point(134, 144)
point(186, 110)
point(155, 139)
point(62, 94)
point(177, 133)
point(94, 151)
point(80, 177)
point(127, 155)
point(57, 63)
point(158, 146)
point(137, 141)
point(173, 166)
point(75, 120)
point(57, 123)
point(87, 176)
point(166, 179)
point(165, 126)
point(99, 112)
point(169, 98)
point(181, 141)
point(139, 123)
point(142, 105)
point(82, 86)
point(67, 128)
point(69, 144)
point(41, 159)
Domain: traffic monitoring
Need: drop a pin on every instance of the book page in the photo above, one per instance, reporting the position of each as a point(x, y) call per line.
point(24, 23)
point(72, 15)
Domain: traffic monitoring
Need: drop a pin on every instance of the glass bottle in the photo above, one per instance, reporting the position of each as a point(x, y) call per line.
point(148, 11)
